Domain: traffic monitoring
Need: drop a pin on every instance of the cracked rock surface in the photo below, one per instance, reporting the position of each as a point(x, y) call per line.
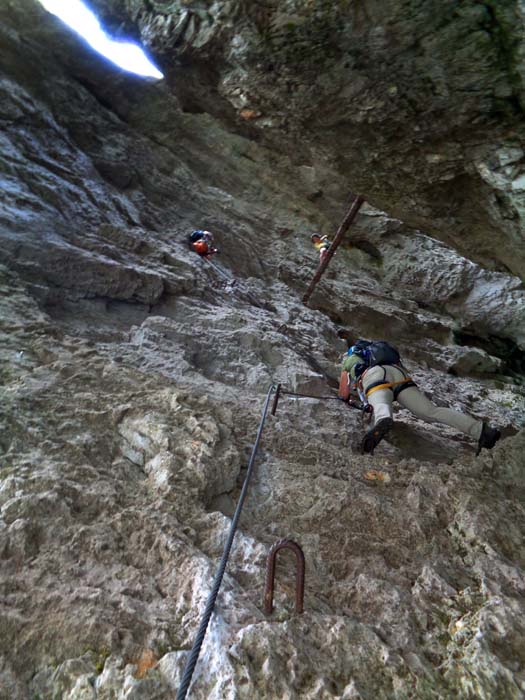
point(134, 373)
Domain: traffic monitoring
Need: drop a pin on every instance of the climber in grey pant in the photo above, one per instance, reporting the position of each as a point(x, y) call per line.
point(404, 390)
point(375, 370)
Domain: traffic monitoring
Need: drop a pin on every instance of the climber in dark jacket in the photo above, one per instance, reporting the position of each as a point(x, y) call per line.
point(376, 372)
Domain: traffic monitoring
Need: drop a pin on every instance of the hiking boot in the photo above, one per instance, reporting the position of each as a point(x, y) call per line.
point(488, 438)
point(376, 434)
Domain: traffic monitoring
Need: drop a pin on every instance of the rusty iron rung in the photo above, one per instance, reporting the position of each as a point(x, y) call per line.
point(344, 226)
point(270, 575)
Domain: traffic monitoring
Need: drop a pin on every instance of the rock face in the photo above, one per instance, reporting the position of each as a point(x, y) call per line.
point(134, 373)
point(419, 105)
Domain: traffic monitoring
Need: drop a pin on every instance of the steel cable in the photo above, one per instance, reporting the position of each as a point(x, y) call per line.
point(210, 604)
point(349, 403)
point(310, 396)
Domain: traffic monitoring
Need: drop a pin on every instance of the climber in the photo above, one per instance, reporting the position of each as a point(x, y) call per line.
point(201, 243)
point(376, 372)
point(321, 243)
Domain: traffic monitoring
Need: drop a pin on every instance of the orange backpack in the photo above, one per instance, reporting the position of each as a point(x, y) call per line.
point(344, 386)
point(200, 247)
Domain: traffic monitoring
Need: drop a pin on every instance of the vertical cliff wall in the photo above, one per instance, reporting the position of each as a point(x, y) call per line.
point(420, 105)
point(134, 375)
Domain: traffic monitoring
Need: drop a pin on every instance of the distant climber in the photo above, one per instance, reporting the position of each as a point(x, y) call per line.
point(321, 243)
point(376, 372)
point(201, 243)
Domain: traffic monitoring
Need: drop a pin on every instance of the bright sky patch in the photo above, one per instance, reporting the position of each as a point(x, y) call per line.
point(125, 54)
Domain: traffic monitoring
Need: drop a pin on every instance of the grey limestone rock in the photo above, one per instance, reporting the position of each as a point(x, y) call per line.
point(134, 373)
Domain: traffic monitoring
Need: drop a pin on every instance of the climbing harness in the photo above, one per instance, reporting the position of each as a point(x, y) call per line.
point(210, 604)
point(401, 385)
point(345, 225)
point(389, 385)
point(270, 575)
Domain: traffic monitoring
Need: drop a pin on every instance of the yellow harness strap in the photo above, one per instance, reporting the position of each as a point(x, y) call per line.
point(388, 385)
